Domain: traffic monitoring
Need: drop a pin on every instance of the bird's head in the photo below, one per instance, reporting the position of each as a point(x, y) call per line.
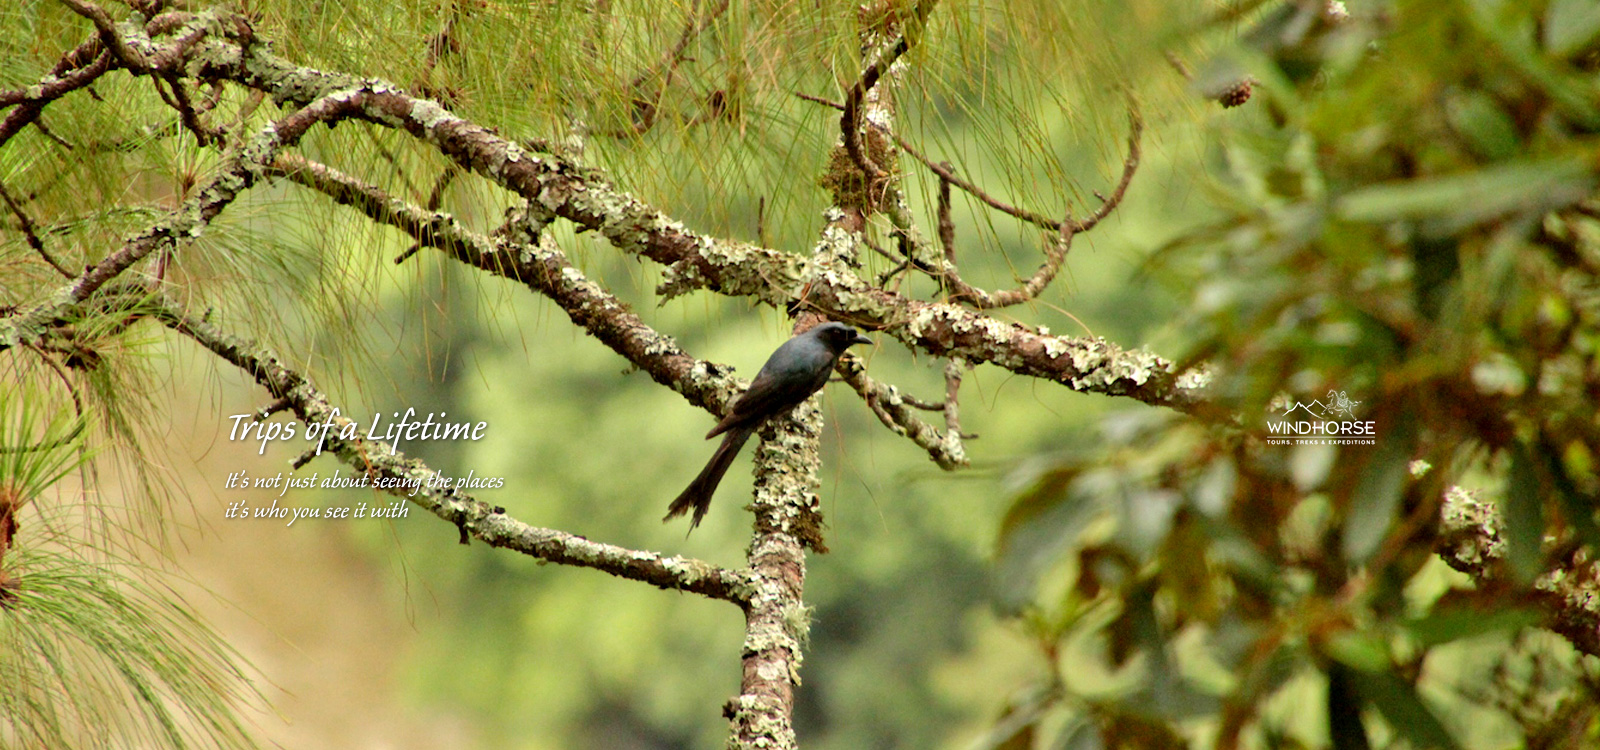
point(838, 336)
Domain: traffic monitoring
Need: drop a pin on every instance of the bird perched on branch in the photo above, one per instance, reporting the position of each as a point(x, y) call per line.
point(799, 368)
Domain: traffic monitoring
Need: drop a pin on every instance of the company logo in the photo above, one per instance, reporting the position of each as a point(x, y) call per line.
point(1330, 420)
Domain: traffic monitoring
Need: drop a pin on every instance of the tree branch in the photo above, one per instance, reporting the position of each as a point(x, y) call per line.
point(30, 232)
point(238, 172)
point(898, 412)
point(1130, 164)
point(130, 58)
point(583, 196)
point(850, 120)
point(66, 78)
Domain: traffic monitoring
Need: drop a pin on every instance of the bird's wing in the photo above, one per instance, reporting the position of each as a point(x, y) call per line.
point(765, 397)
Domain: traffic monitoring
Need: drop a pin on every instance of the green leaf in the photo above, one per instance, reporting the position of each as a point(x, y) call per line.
point(1473, 196)
point(1017, 728)
point(1146, 519)
point(1489, 130)
point(1362, 650)
point(1377, 492)
point(1522, 508)
point(1513, 39)
point(1080, 736)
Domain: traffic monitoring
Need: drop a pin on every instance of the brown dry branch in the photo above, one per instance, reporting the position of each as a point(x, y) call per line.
point(850, 120)
point(77, 69)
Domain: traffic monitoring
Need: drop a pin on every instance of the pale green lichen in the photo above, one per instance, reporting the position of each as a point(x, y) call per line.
point(428, 113)
point(1473, 528)
point(1195, 378)
point(1105, 366)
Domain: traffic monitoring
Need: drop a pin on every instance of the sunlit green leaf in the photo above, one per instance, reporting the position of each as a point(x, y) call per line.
point(1363, 650)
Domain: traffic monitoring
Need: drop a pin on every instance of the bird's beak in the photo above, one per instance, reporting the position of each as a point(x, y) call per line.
point(861, 339)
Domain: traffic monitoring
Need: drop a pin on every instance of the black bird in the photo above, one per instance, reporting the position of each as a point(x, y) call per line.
point(795, 371)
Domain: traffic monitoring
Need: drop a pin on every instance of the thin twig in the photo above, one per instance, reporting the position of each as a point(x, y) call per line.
point(1055, 254)
point(44, 130)
point(30, 231)
point(188, 114)
point(947, 228)
point(953, 372)
point(58, 84)
point(77, 405)
point(542, 267)
point(945, 172)
point(435, 199)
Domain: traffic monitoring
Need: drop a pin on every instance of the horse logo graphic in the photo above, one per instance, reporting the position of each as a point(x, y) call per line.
point(1339, 403)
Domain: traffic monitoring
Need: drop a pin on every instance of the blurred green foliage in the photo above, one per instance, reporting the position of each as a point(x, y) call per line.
point(1407, 217)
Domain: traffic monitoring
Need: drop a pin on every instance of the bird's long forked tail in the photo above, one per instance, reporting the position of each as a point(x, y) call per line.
point(698, 494)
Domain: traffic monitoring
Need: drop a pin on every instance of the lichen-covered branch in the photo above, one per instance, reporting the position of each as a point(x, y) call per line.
point(77, 69)
point(788, 521)
point(1088, 364)
point(898, 412)
point(947, 174)
point(583, 196)
point(909, 32)
point(693, 260)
